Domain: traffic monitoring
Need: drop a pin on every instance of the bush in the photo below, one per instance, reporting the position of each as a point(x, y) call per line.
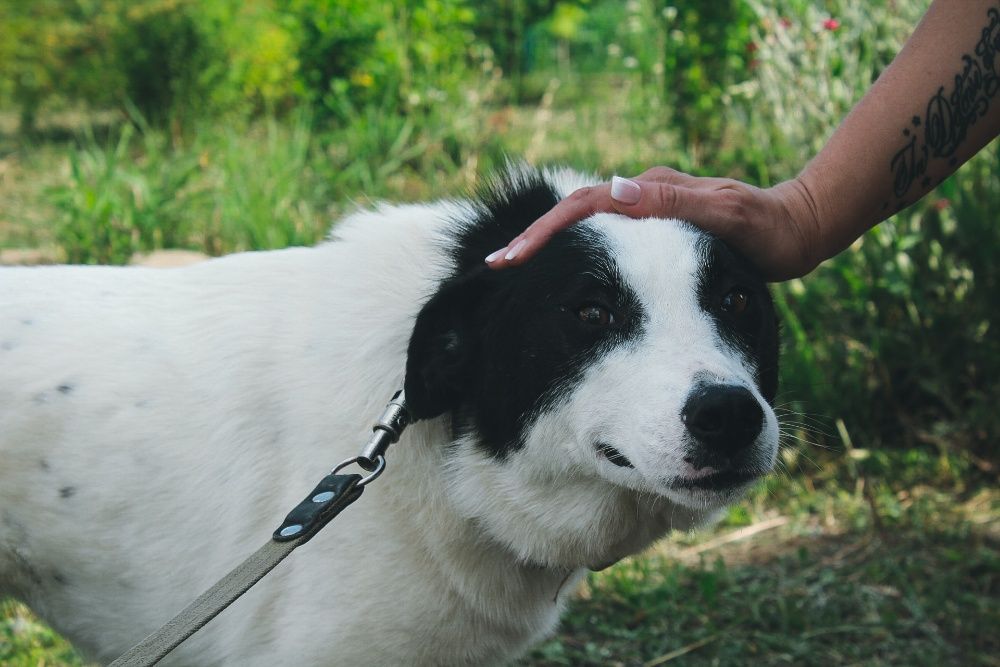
point(248, 187)
point(114, 206)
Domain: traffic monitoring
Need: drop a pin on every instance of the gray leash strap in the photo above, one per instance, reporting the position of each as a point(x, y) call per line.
point(209, 604)
point(334, 493)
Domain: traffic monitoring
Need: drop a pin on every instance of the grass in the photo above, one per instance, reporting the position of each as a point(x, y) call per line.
point(27, 642)
point(886, 573)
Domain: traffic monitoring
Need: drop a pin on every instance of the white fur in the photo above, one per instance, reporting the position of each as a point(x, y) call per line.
point(183, 412)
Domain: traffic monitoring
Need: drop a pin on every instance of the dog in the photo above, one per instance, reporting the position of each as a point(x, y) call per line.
point(156, 425)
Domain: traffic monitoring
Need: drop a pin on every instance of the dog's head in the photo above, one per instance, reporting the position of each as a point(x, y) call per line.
point(614, 386)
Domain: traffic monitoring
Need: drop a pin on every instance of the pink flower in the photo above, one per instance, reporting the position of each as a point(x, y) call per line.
point(785, 22)
point(831, 24)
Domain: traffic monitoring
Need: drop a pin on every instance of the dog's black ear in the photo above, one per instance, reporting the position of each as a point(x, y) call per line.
point(442, 347)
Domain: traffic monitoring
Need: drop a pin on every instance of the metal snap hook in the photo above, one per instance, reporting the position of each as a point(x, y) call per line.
point(379, 467)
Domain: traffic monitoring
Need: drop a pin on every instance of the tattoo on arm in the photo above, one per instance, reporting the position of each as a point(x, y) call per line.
point(949, 115)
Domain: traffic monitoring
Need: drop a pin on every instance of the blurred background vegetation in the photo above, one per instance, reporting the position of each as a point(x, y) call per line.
point(224, 125)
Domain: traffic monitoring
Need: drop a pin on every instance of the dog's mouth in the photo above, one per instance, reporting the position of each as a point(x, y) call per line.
point(613, 455)
point(708, 479)
point(703, 478)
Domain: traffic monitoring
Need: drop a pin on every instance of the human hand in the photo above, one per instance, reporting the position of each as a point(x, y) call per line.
point(776, 228)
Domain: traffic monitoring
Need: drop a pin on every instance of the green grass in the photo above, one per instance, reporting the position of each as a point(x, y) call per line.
point(27, 642)
point(896, 570)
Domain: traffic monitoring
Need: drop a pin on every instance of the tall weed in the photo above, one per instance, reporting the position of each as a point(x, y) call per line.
point(115, 204)
point(262, 186)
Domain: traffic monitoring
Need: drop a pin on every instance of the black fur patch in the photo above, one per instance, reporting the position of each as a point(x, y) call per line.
point(755, 330)
point(495, 347)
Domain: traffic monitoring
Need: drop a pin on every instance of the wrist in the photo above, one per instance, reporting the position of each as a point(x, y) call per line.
point(804, 217)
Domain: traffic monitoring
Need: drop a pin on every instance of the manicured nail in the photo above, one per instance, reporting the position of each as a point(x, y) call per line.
point(624, 190)
point(495, 255)
point(518, 247)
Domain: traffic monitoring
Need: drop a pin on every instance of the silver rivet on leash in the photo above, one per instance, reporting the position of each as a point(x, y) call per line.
point(288, 531)
point(323, 497)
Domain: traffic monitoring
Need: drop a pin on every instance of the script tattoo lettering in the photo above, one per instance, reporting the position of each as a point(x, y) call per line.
point(907, 164)
point(949, 115)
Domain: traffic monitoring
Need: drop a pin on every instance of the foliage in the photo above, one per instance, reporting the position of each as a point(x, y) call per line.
point(176, 60)
point(224, 192)
point(354, 53)
point(705, 53)
point(112, 208)
point(26, 642)
point(49, 46)
point(503, 26)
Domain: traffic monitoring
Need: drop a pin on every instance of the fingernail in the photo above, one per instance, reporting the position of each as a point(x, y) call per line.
point(518, 247)
point(495, 255)
point(624, 190)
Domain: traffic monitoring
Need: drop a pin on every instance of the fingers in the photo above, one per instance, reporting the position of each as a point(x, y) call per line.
point(579, 205)
point(666, 175)
point(674, 177)
point(715, 203)
point(648, 199)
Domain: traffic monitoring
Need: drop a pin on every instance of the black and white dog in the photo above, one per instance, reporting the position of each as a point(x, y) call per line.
point(155, 426)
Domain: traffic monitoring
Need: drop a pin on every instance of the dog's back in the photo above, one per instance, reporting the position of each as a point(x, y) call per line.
point(130, 397)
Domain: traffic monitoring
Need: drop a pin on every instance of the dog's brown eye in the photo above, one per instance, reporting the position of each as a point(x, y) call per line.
point(735, 302)
point(596, 315)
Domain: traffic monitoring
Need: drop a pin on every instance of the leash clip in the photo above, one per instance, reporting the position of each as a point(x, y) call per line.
point(374, 472)
point(336, 491)
point(386, 431)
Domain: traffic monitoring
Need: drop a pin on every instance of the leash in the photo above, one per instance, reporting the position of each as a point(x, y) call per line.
point(331, 496)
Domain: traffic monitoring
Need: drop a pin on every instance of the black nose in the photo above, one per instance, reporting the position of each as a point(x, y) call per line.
point(726, 419)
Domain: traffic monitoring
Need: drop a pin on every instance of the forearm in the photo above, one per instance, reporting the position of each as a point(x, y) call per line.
point(932, 109)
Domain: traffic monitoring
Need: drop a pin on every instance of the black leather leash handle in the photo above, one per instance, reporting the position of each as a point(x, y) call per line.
point(331, 496)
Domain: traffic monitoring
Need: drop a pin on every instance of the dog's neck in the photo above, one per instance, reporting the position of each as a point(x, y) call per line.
point(505, 582)
point(478, 568)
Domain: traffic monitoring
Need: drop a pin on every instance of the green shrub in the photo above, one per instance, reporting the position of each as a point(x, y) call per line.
point(245, 187)
point(114, 205)
point(396, 55)
point(54, 48)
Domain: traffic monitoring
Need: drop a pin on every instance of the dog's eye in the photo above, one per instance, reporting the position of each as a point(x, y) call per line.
point(735, 302)
point(599, 316)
